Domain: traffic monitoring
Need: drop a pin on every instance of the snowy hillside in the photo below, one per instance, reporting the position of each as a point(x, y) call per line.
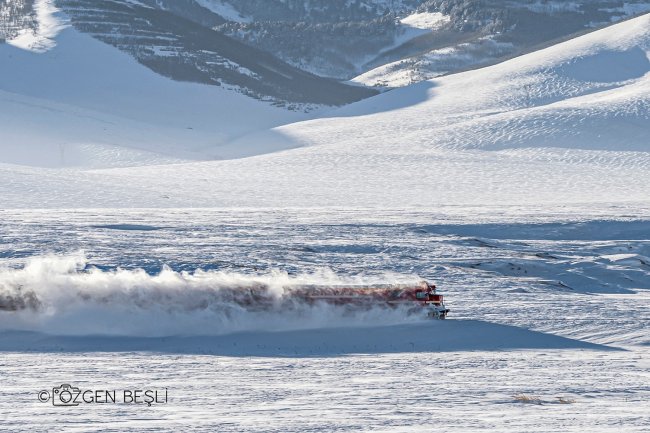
point(489, 32)
point(568, 124)
point(176, 39)
point(342, 38)
point(84, 103)
point(279, 50)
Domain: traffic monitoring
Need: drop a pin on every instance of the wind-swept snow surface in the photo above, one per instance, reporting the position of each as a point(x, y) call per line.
point(551, 310)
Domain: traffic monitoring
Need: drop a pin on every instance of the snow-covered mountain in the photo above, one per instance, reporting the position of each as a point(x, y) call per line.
point(84, 103)
point(342, 38)
point(481, 33)
point(179, 43)
point(565, 125)
point(277, 49)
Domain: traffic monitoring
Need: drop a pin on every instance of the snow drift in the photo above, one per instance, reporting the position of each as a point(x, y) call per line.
point(451, 336)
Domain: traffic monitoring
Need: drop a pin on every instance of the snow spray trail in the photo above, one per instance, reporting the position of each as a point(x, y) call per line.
point(61, 295)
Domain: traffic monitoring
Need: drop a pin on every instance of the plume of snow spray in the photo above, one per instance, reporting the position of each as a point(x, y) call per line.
point(59, 294)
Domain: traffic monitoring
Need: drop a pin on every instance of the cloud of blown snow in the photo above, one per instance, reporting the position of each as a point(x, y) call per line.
point(61, 295)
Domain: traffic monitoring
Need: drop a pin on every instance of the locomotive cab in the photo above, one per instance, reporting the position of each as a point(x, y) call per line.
point(426, 294)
